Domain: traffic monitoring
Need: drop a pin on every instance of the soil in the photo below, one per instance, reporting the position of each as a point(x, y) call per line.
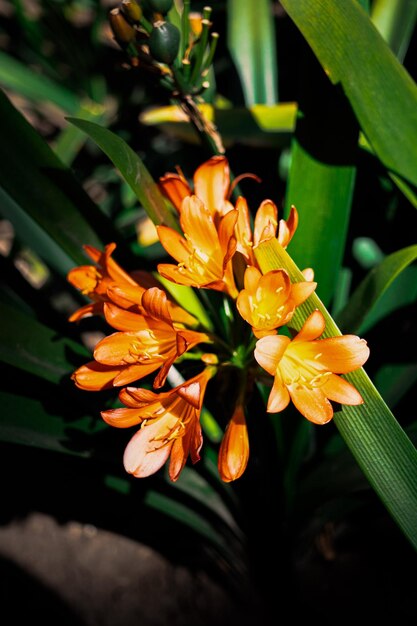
point(73, 553)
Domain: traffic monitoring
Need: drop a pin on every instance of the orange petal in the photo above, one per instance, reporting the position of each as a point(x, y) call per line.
point(198, 225)
point(133, 373)
point(312, 403)
point(234, 448)
point(94, 376)
point(301, 291)
point(124, 320)
point(342, 354)
point(155, 303)
point(287, 228)
point(266, 217)
point(175, 188)
point(125, 295)
point(136, 398)
point(313, 327)
point(143, 456)
point(84, 278)
point(269, 351)
point(211, 183)
point(94, 308)
point(243, 229)
point(174, 243)
point(122, 418)
point(340, 390)
point(251, 278)
point(279, 397)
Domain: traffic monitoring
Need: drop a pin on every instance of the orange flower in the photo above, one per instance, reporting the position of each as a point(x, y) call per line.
point(305, 369)
point(234, 448)
point(146, 343)
point(110, 283)
point(170, 425)
point(269, 300)
point(204, 252)
point(94, 281)
point(265, 227)
point(211, 186)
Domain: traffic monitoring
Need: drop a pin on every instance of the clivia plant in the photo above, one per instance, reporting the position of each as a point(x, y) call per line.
point(235, 337)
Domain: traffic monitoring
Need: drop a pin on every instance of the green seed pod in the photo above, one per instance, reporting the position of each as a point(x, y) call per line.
point(160, 6)
point(164, 42)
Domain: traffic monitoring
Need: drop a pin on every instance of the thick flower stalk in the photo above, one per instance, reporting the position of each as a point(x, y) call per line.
point(214, 251)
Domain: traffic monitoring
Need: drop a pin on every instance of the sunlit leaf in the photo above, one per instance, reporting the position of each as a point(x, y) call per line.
point(255, 61)
point(381, 92)
point(132, 169)
point(382, 449)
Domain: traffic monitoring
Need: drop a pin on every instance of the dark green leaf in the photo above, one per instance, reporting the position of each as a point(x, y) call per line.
point(132, 169)
point(381, 92)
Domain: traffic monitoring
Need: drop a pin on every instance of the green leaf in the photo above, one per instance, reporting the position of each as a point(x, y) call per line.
point(41, 197)
point(24, 81)
point(354, 316)
point(321, 176)
point(29, 345)
point(381, 92)
point(251, 41)
point(132, 169)
point(395, 21)
point(382, 449)
point(26, 421)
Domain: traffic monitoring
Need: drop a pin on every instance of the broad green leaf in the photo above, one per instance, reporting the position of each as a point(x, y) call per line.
point(29, 345)
point(132, 169)
point(251, 42)
point(353, 317)
point(42, 198)
point(256, 125)
point(321, 176)
point(395, 21)
point(381, 92)
point(382, 449)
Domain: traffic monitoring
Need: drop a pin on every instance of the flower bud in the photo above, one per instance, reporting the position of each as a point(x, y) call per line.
point(132, 10)
point(164, 42)
point(123, 32)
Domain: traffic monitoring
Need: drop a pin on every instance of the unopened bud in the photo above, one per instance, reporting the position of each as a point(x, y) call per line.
point(164, 42)
point(132, 10)
point(123, 32)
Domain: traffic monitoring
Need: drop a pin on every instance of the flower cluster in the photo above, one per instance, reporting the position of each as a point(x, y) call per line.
point(213, 249)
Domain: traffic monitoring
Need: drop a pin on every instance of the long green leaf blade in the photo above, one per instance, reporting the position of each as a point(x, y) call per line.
point(29, 345)
point(371, 289)
point(251, 41)
point(381, 447)
point(132, 169)
point(321, 176)
point(42, 196)
point(381, 92)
